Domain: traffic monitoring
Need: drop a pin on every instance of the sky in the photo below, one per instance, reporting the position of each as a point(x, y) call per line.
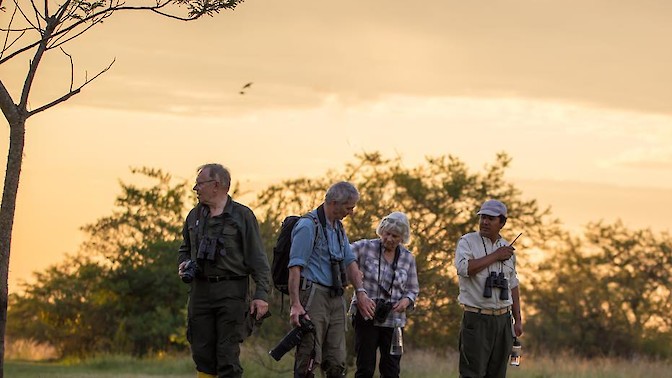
point(578, 93)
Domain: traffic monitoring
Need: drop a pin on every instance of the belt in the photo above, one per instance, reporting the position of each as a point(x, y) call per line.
point(223, 278)
point(305, 284)
point(487, 311)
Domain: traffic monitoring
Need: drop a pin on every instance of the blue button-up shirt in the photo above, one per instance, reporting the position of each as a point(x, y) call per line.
point(316, 260)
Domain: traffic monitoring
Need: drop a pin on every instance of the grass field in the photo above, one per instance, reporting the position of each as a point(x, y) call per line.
point(258, 365)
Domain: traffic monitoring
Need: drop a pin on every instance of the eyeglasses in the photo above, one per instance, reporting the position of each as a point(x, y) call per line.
point(201, 183)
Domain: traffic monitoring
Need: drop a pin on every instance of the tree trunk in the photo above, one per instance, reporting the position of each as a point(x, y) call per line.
point(7, 209)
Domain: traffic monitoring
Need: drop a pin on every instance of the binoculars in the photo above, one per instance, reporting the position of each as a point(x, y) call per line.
point(498, 281)
point(338, 278)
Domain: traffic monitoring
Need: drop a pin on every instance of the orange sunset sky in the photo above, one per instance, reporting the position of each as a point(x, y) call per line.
point(578, 93)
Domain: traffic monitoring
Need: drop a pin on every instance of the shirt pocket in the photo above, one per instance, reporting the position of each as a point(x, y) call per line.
point(229, 241)
point(371, 269)
point(400, 279)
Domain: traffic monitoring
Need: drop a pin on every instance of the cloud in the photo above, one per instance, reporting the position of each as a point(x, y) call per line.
point(656, 159)
point(599, 54)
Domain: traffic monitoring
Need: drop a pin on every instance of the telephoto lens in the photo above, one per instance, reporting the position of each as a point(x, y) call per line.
point(292, 338)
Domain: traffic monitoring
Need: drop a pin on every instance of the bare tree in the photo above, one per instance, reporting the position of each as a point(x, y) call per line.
point(38, 28)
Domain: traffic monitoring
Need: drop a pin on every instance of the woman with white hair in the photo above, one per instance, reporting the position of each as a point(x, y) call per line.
point(390, 279)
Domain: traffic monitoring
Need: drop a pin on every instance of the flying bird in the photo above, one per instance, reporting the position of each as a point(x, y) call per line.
point(242, 90)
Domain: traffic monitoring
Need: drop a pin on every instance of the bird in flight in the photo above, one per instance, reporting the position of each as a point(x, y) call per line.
point(242, 90)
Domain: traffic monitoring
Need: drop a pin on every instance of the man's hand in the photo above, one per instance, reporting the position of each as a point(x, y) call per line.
point(259, 308)
point(180, 268)
point(365, 305)
point(294, 312)
point(504, 253)
point(518, 328)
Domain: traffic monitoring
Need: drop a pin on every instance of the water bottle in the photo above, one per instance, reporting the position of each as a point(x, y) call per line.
point(397, 345)
point(516, 352)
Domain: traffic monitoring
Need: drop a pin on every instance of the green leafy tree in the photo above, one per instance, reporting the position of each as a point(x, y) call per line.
point(37, 29)
point(609, 293)
point(120, 293)
point(440, 198)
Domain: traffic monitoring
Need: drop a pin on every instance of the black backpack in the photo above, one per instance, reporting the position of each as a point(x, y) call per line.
point(279, 270)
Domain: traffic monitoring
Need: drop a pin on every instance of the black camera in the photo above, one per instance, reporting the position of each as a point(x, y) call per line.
point(498, 281)
point(383, 309)
point(189, 271)
point(292, 338)
point(337, 277)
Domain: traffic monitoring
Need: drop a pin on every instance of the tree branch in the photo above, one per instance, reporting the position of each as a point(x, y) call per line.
point(194, 13)
point(35, 62)
point(72, 69)
point(16, 5)
point(38, 15)
point(69, 94)
point(7, 105)
point(57, 41)
point(9, 26)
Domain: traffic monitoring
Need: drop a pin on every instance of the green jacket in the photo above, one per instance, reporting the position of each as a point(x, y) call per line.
point(239, 249)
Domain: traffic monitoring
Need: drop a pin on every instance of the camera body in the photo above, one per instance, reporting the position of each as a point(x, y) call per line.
point(189, 271)
point(292, 338)
point(383, 309)
point(495, 280)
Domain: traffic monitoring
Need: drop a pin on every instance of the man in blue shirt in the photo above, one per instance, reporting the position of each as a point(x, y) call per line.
point(319, 260)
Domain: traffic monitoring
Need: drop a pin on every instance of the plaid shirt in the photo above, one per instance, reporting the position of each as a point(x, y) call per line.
point(405, 285)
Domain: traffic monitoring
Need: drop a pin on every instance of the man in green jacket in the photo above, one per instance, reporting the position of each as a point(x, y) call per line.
point(221, 247)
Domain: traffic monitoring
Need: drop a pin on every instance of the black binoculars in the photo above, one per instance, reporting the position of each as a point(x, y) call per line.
point(498, 281)
point(338, 278)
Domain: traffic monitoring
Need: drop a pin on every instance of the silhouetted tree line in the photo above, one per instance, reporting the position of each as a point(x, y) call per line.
point(607, 293)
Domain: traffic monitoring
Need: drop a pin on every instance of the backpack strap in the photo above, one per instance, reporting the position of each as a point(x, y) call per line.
point(323, 221)
point(315, 221)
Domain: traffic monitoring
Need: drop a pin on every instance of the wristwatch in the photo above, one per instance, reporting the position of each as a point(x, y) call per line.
point(361, 290)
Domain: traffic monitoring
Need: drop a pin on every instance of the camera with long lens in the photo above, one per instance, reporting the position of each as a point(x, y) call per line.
point(495, 280)
point(337, 277)
point(189, 271)
point(292, 338)
point(383, 309)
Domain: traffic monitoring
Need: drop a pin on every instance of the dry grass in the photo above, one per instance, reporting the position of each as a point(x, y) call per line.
point(414, 364)
point(28, 351)
point(429, 364)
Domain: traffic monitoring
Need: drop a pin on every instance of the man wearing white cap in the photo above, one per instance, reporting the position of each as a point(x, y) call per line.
point(486, 266)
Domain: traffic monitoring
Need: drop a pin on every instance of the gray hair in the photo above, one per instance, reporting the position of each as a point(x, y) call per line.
point(217, 172)
point(341, 192)
point(396, 222)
